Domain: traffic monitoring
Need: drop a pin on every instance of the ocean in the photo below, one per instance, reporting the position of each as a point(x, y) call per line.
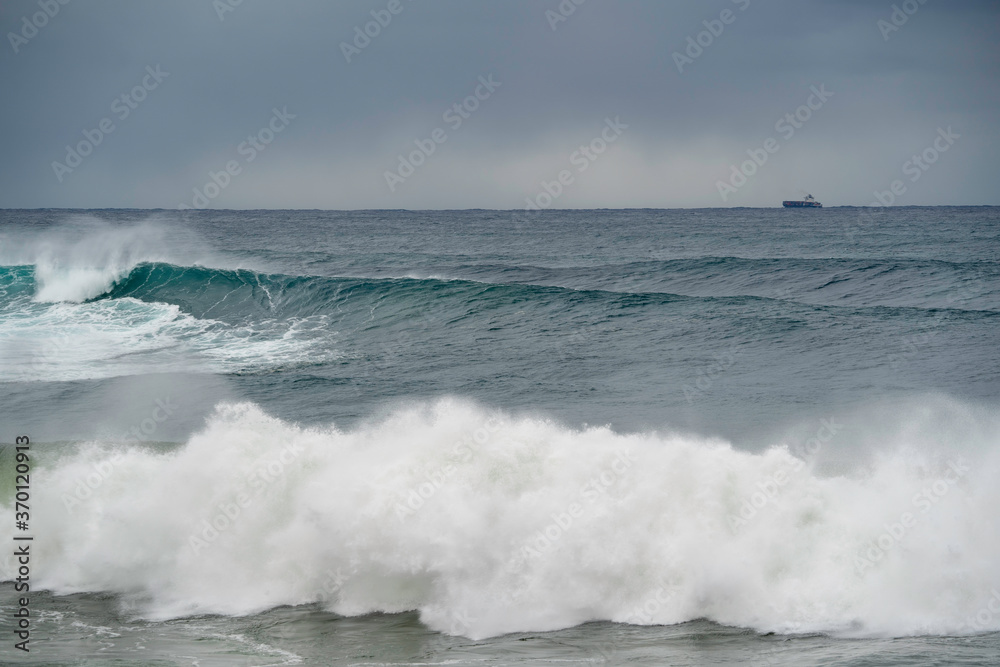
point(644, 437)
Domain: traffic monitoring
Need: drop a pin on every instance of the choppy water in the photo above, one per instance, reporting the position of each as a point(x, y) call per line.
point(684, 437)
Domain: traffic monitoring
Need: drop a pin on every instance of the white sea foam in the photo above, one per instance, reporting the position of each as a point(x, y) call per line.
point(59, 335)
point(110, 338)
point(487, 524)
point(82, 258)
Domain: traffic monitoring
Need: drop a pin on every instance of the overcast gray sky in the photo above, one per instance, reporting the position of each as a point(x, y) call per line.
point(225, 66)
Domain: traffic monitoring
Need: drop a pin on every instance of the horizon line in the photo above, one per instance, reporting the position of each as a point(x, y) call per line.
point(499, 210)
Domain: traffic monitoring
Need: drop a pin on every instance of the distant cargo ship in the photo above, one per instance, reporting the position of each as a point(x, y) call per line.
point(808, 202)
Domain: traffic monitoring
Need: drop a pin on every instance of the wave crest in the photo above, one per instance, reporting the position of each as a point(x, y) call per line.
point(85, 257)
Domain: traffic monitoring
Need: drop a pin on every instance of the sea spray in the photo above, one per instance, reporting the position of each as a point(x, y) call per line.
point(326, 530)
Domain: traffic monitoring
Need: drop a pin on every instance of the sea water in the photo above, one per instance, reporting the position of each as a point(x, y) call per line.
point(743, 436)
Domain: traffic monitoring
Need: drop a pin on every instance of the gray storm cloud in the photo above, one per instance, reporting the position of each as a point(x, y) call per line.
point(456, 104)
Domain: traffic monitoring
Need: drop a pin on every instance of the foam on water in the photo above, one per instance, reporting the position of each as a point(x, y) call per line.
point(52, 331)
point(488, 523)
point(101, 339)
point(82, 258)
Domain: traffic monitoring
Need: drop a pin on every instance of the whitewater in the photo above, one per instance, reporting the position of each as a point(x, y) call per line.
point(488, 524)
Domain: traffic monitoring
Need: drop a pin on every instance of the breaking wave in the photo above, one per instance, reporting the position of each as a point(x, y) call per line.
point(489, 523)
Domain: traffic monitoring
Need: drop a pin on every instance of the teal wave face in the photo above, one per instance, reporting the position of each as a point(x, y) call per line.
point(17, 284)
point(914, 283)
point(198, 290)
point(247, 295)
point(159, 317)
point(241, 293)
